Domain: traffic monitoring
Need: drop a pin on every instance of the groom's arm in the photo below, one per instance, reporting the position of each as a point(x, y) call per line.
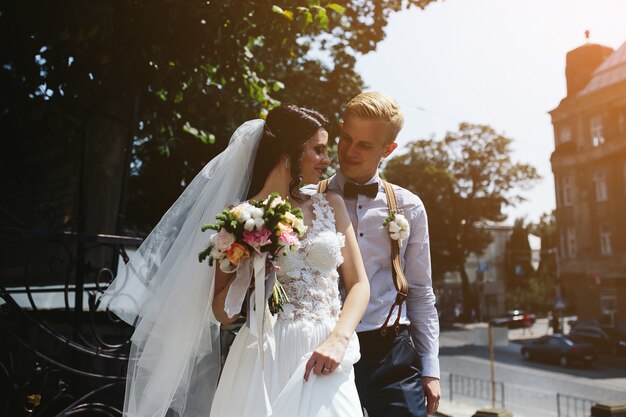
point(421, 311)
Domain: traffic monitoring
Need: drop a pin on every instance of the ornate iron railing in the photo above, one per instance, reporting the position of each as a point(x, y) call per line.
point(60, 354)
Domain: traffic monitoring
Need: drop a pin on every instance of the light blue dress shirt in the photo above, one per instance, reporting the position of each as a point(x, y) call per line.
point(419, 312)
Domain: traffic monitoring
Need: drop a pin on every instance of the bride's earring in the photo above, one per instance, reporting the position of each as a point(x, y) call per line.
point(287, 163)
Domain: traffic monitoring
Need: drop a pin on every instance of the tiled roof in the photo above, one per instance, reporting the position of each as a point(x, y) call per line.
point(610, 72)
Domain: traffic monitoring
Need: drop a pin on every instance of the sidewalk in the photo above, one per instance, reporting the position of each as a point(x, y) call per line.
point(457, 409)
point(516, 338)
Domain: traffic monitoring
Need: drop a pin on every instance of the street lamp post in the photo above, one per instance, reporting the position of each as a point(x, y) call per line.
point(491, 366)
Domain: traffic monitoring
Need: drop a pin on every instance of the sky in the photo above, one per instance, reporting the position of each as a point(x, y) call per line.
point(495, 62)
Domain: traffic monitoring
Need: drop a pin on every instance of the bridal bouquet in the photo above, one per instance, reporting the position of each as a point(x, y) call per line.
point(270, 226)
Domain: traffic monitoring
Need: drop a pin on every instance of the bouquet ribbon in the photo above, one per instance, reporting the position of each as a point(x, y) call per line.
point(248, 269)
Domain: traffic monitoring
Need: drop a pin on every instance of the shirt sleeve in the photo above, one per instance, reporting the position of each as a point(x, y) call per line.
point(421, 311)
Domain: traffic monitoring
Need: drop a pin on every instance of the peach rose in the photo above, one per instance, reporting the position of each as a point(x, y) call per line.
point(236, 253)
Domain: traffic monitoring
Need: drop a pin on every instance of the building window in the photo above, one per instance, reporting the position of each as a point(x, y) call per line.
point(608, 305)
point(597, 136)
point(567, 191)
point(605, 241)
point(599, 179)
point(571, 242)
point(565, 135)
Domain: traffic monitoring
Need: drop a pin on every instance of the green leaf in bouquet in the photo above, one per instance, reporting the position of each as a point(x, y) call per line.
point(298, 213)
point(204, 254)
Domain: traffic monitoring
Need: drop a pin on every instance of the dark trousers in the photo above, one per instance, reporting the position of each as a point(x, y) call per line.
point(388, 378)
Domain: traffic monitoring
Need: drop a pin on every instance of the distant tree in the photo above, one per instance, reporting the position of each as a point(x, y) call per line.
point(464, 180)
point(535, 297)
point(547, 231)
point(167, 79)
point(518, 257)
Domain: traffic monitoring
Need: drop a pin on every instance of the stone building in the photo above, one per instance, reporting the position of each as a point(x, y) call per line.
point(589, 166)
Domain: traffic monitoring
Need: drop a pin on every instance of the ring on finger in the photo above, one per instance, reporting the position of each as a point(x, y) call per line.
point(325, 370)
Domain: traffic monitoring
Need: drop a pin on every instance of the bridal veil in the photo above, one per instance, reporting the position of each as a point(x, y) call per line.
point(166, 293)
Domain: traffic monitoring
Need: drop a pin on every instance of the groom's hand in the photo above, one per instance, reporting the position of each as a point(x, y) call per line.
point(432, 391)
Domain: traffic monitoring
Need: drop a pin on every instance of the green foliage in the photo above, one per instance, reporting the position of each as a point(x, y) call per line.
point(537, 296)
point(546, 229)
point(518, 257)
point(533, 290)
point(179, 76)
point(464, 180)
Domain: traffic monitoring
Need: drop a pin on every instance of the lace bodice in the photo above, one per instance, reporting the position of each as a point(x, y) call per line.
point(309, 275)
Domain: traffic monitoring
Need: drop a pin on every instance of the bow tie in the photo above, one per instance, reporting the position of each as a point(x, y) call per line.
point(351, 190)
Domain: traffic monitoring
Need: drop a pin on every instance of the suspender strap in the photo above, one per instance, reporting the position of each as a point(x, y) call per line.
point(399, 280)
point(322, 186)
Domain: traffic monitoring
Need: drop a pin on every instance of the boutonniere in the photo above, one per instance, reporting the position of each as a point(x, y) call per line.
point(397, 225)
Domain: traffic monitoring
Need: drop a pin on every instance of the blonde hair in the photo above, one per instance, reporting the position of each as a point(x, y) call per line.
point(376, 106)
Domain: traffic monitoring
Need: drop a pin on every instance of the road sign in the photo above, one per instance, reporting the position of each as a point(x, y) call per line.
point(483, 265)
point(559, 303)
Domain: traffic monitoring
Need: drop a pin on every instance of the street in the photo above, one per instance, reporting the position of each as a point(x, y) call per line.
point(530, 388)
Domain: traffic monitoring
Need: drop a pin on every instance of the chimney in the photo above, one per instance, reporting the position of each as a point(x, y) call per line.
point(581, 62)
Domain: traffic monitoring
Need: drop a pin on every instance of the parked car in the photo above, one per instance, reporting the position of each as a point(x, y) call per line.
point(604, 339)
point(560, 349)
point(514, 319)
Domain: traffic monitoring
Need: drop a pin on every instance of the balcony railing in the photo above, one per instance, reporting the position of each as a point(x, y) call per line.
point(60, 354)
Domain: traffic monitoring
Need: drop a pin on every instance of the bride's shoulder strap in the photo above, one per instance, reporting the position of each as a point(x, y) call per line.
point(323, 209)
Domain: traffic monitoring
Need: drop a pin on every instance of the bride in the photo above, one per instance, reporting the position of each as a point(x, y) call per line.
point(299, 363)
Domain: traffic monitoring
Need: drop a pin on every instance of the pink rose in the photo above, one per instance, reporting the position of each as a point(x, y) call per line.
point(288, 238)
point(258, 238)
point(224, 240)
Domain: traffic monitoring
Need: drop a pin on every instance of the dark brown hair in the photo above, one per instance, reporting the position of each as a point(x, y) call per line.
point(287, 129)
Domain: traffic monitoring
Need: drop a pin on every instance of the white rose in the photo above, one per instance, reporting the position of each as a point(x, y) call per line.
point(395, 236)
point(223, 239)
point(249, 225)
point(258, 223)
point(404, 234)
point(393, 227)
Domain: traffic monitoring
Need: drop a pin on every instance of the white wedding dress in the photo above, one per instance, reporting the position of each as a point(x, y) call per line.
point(276, 388)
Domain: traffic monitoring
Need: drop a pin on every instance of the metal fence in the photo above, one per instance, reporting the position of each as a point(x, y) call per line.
point(475, 388)
point(518, 399)
point(569, 406)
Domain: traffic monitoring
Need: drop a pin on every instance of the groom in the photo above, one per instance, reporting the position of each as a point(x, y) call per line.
point(398, 374)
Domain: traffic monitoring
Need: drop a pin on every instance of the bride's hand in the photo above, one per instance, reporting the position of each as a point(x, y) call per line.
point(327, 357)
